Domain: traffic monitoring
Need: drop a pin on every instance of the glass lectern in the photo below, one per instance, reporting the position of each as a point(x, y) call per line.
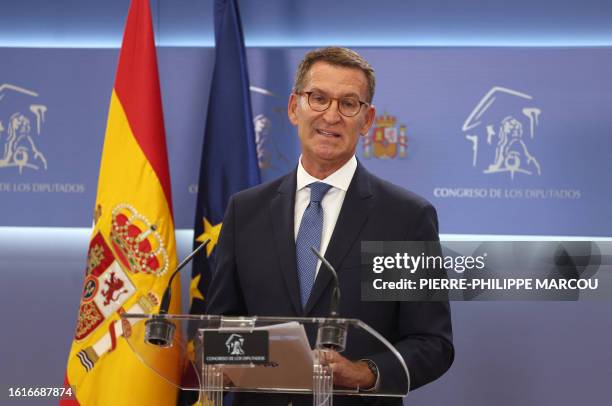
point(219, 354)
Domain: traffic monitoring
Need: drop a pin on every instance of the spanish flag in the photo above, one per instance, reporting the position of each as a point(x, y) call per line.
point(132, 251)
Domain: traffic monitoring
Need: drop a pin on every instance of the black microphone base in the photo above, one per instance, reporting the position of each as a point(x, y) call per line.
point(331, 336)
point(159, 332)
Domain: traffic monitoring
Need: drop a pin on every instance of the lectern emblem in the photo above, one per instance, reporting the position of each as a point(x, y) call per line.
point(234, 344)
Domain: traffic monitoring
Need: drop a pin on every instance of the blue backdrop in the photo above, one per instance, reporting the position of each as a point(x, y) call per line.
point(475, 120)
point(502, 141)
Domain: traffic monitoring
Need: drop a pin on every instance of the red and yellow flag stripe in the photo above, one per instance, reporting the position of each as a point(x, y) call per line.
point(133, 247)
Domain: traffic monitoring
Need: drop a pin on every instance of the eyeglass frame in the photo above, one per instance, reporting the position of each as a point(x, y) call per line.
point(331, 99)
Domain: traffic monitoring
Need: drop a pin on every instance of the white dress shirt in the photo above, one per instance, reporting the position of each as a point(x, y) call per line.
point(331, 203)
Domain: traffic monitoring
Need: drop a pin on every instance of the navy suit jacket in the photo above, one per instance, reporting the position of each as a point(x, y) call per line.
point(256, 275)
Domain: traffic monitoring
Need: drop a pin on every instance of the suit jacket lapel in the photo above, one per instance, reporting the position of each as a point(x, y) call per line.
point(353, 215)
point(282, 214)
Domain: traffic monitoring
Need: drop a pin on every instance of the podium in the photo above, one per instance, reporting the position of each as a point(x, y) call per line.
point(215, 354)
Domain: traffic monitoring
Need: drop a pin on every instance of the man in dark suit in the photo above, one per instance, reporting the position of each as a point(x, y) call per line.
point(332, 202)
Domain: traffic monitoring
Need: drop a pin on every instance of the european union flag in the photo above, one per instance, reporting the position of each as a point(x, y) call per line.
point(229, 156)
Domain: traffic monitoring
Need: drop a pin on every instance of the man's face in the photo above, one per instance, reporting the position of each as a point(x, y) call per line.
point(329, 139)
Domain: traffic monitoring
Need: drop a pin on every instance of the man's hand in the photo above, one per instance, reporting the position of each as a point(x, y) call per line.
point(348, 374)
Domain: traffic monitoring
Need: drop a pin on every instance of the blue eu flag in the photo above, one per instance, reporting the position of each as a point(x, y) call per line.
point(229, 156)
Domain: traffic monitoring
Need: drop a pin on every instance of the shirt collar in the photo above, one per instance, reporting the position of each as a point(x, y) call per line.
point(341, 179)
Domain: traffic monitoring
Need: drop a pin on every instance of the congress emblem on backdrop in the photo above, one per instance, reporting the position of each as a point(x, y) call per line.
point(501, 129)
point(21, 122)
point(270, 123)
point(386, 140)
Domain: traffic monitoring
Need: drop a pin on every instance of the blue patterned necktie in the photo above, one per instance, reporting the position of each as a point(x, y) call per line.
point(309, 235)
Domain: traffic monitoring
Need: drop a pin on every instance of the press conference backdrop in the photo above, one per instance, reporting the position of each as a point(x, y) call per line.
point(502, 141)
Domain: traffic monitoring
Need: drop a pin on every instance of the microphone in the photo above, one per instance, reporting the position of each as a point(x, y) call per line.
point(335, 298)
point(332, 333)
point(159, 331)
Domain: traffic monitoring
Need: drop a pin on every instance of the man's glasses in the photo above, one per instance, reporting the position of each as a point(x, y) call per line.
point(348, 106)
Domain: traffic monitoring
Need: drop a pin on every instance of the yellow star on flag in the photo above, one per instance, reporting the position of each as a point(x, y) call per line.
point(211, 232)
point(194, 292)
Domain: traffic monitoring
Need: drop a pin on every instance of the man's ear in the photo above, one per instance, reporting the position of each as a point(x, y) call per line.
point(291, 106)
point(370, 114)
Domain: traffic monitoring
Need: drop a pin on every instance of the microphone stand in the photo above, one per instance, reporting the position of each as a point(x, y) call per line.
point(159, 331)
point(332, 333)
